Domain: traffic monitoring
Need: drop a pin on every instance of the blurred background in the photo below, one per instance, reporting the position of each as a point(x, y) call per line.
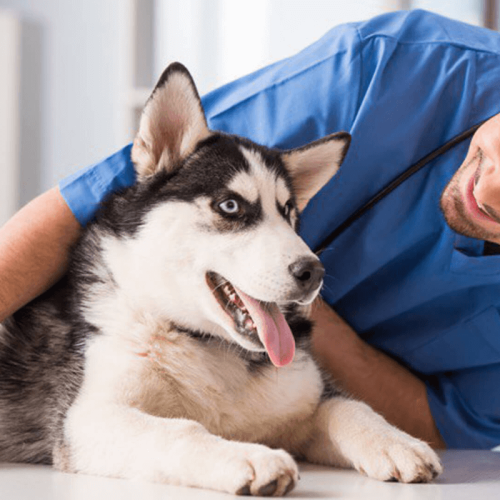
point(75, 74)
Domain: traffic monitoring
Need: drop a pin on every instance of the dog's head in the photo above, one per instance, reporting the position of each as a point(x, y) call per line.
point(217, 249)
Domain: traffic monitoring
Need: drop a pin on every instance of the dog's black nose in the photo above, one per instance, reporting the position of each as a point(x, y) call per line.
point(308, 273)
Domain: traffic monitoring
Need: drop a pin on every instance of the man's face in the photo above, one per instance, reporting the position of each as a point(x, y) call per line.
point(471, 200)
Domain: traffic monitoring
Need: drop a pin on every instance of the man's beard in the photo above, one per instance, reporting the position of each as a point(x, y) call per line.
point(454, 212)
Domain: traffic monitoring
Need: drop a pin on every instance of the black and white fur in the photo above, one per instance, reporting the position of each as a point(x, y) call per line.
point(130, 367)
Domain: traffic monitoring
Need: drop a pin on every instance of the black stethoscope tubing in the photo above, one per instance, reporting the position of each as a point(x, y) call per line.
point(392, 185)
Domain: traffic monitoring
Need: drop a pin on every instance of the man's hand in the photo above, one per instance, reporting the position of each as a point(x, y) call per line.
point(34, 249)
point(372, 376)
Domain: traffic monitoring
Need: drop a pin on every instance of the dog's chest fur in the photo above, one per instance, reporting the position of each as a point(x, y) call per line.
point(168, 373)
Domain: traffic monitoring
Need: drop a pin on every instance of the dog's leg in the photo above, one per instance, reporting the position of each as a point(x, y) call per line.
point(120, 441)
point(349, 433)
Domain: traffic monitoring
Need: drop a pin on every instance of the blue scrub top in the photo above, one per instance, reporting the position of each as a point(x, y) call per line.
point(402, 84)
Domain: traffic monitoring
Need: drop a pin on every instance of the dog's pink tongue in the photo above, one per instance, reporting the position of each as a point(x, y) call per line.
point(272, 328)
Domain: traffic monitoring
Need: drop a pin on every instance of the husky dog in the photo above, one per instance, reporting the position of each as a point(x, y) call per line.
point(164, 354)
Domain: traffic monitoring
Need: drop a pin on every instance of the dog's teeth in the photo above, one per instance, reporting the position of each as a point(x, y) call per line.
point(237, 308)
point(249, 324)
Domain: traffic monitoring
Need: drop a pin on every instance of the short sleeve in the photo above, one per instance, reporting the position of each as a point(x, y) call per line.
point(466, 407)
point(84, 190)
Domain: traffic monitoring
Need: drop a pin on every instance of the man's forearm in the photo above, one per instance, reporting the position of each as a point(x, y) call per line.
point(372, 376)
point(34, 249)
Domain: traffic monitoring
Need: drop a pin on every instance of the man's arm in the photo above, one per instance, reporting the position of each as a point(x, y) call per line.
point(34, 249)
point(373, 377)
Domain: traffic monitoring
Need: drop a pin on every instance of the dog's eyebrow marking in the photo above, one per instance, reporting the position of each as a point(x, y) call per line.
point(265, 181)
point(282, 191)
point(244, 184)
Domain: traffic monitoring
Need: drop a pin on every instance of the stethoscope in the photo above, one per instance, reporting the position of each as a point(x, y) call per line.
point(392, 185)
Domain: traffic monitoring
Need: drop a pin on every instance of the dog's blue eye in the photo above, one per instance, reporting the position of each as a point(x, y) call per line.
point(229, 206)
point(287, 208)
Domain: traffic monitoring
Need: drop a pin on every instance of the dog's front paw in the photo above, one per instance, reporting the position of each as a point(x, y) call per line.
point(394, 455)
point(259, 470)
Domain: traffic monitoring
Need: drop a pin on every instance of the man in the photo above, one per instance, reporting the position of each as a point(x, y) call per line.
point(416, 327)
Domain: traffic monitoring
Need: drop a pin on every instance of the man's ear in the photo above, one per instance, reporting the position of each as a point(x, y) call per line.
point(171, 125)
point(314, 164)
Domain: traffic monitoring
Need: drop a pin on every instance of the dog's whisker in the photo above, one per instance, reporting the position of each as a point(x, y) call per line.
point(331, 276)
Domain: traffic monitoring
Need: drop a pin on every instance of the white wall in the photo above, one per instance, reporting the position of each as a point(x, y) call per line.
point(220, 40)
point(469, 11)
point(10, 38)
point(71, 84)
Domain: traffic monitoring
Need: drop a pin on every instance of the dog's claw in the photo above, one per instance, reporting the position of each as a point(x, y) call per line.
point(435, 473)
point(244, 491)
point(269, 489)
point(290, 487)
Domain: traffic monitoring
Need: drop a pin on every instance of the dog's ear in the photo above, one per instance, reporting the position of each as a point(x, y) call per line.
point(313, 165)
point(171, 125)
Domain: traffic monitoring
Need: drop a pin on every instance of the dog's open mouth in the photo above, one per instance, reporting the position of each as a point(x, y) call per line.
point(232, 304)
point(262, 323)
